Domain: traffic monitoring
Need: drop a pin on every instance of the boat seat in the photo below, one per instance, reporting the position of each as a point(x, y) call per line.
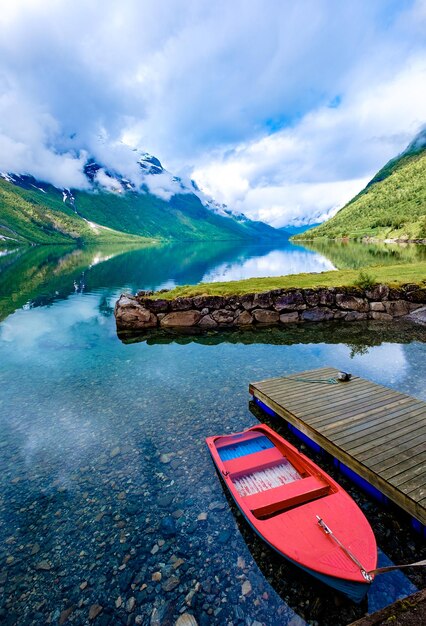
point(253, 461)
point(279, 499)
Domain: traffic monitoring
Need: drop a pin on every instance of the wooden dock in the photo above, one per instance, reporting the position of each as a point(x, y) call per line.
point(378, 433)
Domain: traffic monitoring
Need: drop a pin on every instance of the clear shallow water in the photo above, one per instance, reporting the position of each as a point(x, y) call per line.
point(103, 459)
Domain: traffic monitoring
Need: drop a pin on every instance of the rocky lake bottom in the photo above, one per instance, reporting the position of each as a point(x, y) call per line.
point(111, 511)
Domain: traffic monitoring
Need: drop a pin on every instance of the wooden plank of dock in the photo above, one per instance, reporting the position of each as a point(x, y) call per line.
point(377, 432)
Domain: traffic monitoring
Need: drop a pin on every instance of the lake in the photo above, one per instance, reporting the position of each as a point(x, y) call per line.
point(109, 498)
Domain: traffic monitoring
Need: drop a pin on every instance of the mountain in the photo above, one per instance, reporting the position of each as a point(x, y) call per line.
point(154, 205)
point(392, 205)
point(35, 213)
point(296, 230)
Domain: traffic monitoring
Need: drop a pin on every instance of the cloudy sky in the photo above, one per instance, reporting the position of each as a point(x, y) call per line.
point(283, 109)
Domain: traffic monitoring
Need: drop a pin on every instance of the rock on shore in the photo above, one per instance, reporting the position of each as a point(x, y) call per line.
point(279, 306)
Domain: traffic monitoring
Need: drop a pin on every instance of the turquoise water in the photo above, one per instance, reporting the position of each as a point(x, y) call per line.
point(106, 482)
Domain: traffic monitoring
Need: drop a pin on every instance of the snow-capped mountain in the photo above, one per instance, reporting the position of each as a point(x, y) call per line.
point(147, 201)
point(151, 177)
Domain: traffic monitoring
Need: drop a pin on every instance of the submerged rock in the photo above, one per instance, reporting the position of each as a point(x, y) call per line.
point(168, 526)
point(94, 611)
point(65, 615)
point(44, 565)
point(171, 583)
point(246, 588)
point(186, 619)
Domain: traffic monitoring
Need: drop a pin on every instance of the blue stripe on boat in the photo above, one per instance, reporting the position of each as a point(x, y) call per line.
point(236, 450)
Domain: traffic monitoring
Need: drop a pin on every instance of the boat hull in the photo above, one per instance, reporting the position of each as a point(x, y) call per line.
point(280, 502)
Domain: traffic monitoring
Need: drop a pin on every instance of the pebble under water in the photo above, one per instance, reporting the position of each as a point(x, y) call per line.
point(111, 511)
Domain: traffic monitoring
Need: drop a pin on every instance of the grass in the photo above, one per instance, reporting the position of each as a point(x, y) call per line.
point(392, 206)
point(365, 280)
point(392, 275)
point(31, 216)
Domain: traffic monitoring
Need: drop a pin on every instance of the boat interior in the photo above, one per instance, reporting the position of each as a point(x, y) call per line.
point(269, 478)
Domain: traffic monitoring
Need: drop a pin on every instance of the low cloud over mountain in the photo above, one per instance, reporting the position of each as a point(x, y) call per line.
point(279, 112)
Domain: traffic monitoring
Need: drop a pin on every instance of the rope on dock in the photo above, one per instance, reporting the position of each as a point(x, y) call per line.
point(325, 381)
point(341, 377)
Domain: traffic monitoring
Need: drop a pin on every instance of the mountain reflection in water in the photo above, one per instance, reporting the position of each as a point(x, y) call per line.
point(40, 275)
point(36, 276)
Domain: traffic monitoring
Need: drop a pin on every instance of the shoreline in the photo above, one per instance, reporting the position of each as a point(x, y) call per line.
point(393, 276)
point(283, 306)
point(365, 239)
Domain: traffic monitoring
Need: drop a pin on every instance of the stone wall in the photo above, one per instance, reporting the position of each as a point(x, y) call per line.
point(280, 306)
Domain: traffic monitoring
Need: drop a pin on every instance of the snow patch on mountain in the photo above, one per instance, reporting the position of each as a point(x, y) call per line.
point(147, 175)
point(8, 177)
point(216, 207)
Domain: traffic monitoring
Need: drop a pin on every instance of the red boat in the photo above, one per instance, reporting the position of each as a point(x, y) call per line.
point(297, 508)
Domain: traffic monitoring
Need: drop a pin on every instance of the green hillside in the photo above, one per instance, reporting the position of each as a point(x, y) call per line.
point(183, 217)
point(392, 205)
point(39, 216)
point(392, 275)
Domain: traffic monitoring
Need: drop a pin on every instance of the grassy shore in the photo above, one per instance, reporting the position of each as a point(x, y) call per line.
point(392, 275)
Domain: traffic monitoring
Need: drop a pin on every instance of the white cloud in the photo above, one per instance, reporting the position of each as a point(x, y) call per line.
point(27, 143)
point(275, 263)
point(306, 172)
point(30, 327)
point(107, 182)
point(164, 186)
point(303, 203)
point(239, 88)
point(374, 363)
